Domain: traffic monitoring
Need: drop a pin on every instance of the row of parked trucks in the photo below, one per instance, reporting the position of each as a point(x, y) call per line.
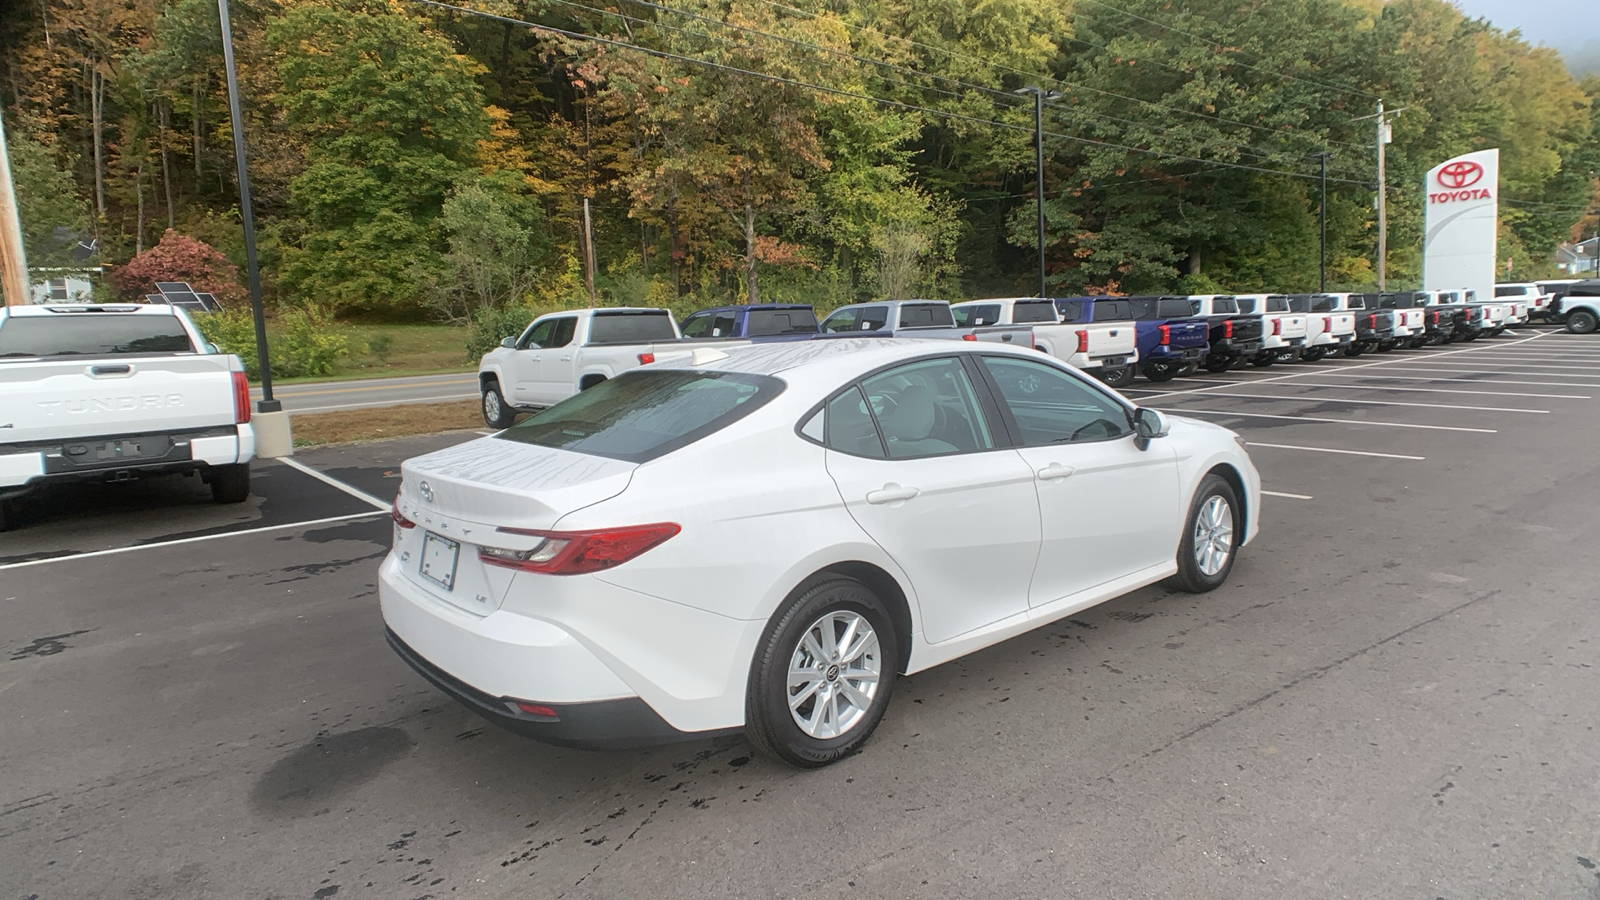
point(1114, 338)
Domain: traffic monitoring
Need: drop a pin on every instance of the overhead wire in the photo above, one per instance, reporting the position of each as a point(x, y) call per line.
point(840, 92)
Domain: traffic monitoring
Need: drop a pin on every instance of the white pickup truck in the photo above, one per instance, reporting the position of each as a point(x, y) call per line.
point(1283, 331)
point(114, 392)
point(1090, 346)
point(562, 353)
point(1329, 328)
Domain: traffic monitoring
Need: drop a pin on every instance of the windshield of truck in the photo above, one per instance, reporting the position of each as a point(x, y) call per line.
point(975, 315)
point(926, 315)
point(1031, 312)
point(767, 322)
point(641, 415)
point(619, 327)
point(92, 334)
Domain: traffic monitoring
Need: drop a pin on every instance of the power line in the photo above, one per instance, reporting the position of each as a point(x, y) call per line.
point(778, 79)
point(1321, 84)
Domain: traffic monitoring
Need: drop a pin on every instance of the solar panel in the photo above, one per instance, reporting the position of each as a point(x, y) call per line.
point(155, 298)
point(181, 298)
point(209, 301)
point(174, 287)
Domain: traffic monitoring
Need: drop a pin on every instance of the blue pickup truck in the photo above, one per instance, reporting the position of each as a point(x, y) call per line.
point(1171, 339)
point(760, 322)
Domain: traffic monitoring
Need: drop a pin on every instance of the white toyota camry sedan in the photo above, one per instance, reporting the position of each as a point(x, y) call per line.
point(763, 538)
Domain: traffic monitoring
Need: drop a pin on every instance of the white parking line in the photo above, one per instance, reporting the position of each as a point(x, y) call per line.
point(1373, 387)
point(1382, 403)
point(1458, 380)
point(189, 540)
point(1184, 411)
point(1454, 368)
point(1290, 496)
point(1332, 450)
point(334, 482)
point(1482, 361)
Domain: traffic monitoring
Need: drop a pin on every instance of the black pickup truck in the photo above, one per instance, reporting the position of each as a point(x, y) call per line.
point(1235, 336)
point(1374, 326)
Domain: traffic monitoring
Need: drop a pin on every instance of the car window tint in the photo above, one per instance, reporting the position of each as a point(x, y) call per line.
point(976, 315)
point(765, 322)
point(1507, 292)
point(723, 325)
point(561, 333)
point(1299, 304)
point(1277, 304)
point(537, 335)
point(1246, 304)
point(849, 427)
point(1323, 304)
point(925, 315)
point(631, 327)
point(841, 321)
point(1225, 306)
point(697, 326)
point(1111, 311)
point(1174, 309)
point(1054, 407)
point(927, 409)
point(1033, 311)
point(92, 334)
point(641, 415)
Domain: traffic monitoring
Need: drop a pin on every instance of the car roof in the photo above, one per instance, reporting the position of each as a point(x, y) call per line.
point(833, 361)
point(49, 309)
point(731, 307)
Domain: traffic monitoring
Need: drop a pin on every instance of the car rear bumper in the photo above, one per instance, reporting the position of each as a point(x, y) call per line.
point(1230, 347)
point(24, 467)
point(1326, 339)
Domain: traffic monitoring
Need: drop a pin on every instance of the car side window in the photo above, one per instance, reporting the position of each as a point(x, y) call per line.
point(537, 336)
point(849, 427)
point(927, 408)
point(722, 326)
point(697, 326)
point(842, 321)
point(1053, 407)
point(561, 334)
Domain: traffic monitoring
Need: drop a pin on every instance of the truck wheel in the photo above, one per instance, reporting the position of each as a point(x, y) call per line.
point(8, 515)
point(1160, 371)
point(1216, 364)
point(1264, 360)
point(1313, 354)
point(1118, 376)
point(496, 411)
point(1187, 369)
point(822, 675)
point(230, 484)
point(1469, 337)
point(1211, 536)
point(1582, 322)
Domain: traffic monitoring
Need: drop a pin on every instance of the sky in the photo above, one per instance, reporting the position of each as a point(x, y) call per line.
point(1571, 26)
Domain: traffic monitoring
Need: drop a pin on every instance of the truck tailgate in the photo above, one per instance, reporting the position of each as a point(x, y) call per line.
point(1191, 333)
point(57, 399)
point(1110, 338)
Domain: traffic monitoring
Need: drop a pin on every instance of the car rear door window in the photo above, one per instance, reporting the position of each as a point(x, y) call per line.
point(849, 427)
point(620, 327)
point(562, 331)
point(92, 334)
point(1050, 406)
point(927, 408)
point(975, 315)
point(641, 415)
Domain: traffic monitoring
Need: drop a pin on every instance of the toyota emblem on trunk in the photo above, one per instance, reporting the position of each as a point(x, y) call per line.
point(426, 491)
point(1460, 174)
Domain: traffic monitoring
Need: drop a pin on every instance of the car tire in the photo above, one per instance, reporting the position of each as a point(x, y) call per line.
point(1386, 346)
point(1118, 376)
point(1582, 322)
point(8, 515)
point(1264, 360)
point(1216, 364)
point(1355, 349)
point(1211, 535)
point(774, 723)
point(497, 413)
point(1160, 371)
point(1469, 337)
point(1187, 369)
point(230, 484)
point(1313, 354)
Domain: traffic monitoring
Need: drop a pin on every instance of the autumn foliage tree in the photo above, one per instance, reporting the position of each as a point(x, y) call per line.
point(180, 258)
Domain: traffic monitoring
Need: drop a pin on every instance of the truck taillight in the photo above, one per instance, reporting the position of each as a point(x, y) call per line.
point(241, 398)
point(969, 337)
point(1436, 317)
point(1227, 329)
point(578, 552)
point(1166, 334)
point(1327, 323)
point(1083, 342)
point(646, 359)
point(1372, 321)
point(1277, 326)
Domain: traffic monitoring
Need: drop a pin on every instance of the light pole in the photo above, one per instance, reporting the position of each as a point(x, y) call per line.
point(1040, 95)
point(1322, 215)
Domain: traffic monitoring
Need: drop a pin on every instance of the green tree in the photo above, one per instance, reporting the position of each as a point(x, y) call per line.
point(47, 200)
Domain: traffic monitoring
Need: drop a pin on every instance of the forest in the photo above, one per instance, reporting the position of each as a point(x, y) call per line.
point(418, 161)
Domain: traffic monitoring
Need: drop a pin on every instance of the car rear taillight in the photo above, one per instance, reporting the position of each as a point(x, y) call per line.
point(241, 398)
point(969, 337)
point(578, 552)
point(1083, 342)
point(1227, 329)
point(1166, 334)
point(400, 520)
point(1277, 326)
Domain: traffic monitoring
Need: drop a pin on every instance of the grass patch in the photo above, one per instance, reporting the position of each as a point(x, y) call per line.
point(379, 351)
point(344, 426)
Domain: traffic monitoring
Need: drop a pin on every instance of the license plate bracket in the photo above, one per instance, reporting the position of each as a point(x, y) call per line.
point(440, 556)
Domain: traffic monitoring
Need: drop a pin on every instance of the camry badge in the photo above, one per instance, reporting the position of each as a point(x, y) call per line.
point(427, 492)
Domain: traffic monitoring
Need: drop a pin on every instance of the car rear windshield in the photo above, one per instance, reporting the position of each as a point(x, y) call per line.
point(1324, 304)
point(1224, 306)
point(926, 315)
point(631, 327)
point(641, 415)
point(976, 314)
point(1112, 311)
point(1277, 304)
point(1149, 308)
point(1070, 310)
point(1031, 311)
point(766, 322)
point(92, 334)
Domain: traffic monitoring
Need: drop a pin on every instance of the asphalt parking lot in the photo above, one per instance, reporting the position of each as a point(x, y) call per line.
point(1393, 697)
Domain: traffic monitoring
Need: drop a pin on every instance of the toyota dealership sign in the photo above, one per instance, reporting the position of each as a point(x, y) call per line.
point(1463, 218)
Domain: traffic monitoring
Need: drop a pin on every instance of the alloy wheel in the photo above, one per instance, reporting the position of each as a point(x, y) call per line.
point(834, 674)
point(1213, 535)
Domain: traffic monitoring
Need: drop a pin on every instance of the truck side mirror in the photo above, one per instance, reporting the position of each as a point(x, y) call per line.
point(509, 343)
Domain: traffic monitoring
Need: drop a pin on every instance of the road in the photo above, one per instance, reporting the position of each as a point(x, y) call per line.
point(331, 396)
point(1391, 698)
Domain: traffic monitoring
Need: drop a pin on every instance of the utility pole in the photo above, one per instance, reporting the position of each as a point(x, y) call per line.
point(588, 251)
point(1383, 200)
point(1322, 214)
point(1040, 95)
point(13, 260)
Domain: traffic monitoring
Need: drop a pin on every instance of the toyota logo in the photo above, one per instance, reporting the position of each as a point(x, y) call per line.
point(1460, 174)
point(426, 490)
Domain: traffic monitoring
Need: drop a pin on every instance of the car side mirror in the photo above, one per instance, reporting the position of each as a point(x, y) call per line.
point(508, 343)
point(1148, 424)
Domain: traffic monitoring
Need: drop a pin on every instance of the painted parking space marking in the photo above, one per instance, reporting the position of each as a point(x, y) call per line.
point(1565, 384)
point(1185, 411)
point(335, 483)
point(1504, 409)
point(1422, 390)
point(1335, 450)
point(1288, 496)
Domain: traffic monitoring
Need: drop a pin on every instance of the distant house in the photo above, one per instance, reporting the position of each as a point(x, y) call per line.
point(1579, 258)
point(71, 283)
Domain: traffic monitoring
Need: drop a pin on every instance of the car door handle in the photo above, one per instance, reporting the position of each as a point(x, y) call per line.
point(892, 493)
point(1054, 471)
point(566, 359)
